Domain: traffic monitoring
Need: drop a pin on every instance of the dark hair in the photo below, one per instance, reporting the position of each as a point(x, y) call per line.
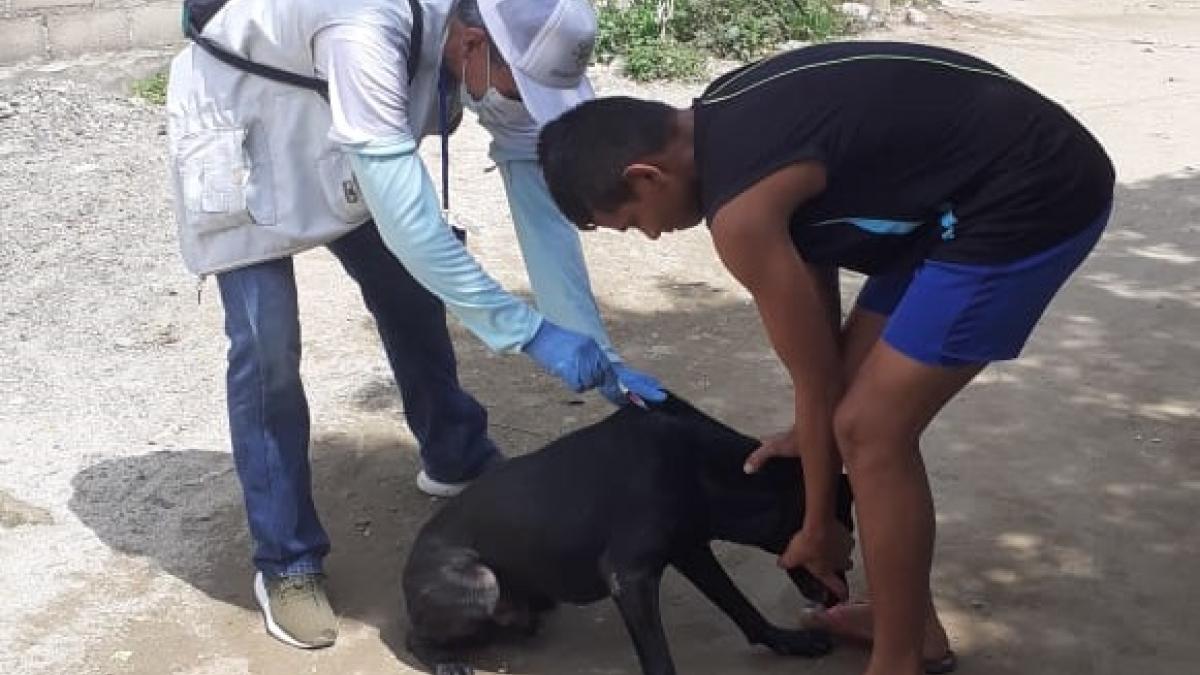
point(585, 152)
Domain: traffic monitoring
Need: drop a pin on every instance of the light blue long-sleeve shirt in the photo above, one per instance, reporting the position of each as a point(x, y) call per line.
point(553, 254)
point(401, 197)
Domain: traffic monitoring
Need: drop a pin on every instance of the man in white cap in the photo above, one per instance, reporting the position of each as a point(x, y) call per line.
point(265, 166)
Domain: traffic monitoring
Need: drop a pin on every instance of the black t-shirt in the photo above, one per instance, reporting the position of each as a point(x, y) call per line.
point(906, 133)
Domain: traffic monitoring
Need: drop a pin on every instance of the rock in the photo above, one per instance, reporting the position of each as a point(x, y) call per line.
point(16, 512)
point(915, 17)
point(855, 10)
point(167, 335)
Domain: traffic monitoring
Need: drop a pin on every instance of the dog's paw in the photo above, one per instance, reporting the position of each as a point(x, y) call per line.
point(453, 669)
point(798, 642)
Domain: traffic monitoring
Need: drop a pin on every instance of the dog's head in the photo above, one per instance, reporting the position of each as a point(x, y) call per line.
point(763, 509)
point(448, 592)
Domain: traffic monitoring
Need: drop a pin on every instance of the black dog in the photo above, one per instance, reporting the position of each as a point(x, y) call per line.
point(602, 512)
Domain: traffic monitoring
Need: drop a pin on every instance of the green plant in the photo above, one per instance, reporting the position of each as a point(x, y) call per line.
point(663, 60)
point(637, 34)
point(745, 29)
point(623, 28)
point(152, 89)
point(671, 38)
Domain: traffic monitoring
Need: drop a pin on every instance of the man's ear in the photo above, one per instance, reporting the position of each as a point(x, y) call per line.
point(472, 38)
point(642, 176)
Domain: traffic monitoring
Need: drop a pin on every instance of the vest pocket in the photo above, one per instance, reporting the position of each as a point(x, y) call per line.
point(220, 186)
point(341, 189)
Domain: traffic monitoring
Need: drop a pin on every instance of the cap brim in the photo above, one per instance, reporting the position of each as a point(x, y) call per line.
point(546, 104)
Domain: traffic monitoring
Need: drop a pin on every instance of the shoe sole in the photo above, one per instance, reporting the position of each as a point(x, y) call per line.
point(264, 603)
point(438, 489)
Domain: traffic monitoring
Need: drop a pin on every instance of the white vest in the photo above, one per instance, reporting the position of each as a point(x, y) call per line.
point(254, 173)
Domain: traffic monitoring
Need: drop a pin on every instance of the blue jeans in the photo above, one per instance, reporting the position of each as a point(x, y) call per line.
point(268, 412)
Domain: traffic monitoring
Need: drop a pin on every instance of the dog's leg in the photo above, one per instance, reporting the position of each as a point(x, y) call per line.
point(439, 659)
point(517, 614)
point(635, 590)
point(701, 567)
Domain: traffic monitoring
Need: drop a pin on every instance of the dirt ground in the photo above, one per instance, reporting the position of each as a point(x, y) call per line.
point(1067, 482)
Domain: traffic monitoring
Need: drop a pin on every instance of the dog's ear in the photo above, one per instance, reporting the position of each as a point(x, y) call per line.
point(672, 404)
point(812, 588)
point(808, 585)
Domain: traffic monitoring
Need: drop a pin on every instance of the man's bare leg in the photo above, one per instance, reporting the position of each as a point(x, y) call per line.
point(853, 621)
point(890, 401)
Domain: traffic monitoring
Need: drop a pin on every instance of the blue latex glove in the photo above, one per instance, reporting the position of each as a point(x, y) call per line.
point(644, 386)
point(573, 357)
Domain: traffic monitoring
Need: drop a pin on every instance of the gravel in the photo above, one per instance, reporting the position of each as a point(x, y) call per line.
point(88, 273)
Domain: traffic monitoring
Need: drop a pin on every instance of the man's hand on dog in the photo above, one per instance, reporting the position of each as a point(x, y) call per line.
point(778, 445)
point(823, 550)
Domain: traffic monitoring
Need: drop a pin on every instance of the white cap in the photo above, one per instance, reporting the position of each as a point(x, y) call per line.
point(548, 45)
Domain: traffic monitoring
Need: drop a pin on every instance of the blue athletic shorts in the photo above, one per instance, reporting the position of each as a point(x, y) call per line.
point(954, 314)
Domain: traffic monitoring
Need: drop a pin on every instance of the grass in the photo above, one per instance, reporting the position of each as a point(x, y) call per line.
point(152, 89)
point(673, 39)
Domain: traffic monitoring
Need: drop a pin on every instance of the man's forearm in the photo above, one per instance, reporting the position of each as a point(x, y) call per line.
point(401, 198)
point(552, 252)
point(821, 465)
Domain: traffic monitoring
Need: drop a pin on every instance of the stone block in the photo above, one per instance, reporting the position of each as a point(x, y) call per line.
point(22, 38)
point(26, 6)
point(103, 30)
point(156, 24)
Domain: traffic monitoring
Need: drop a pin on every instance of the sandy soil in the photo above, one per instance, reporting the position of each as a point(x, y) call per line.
point(1067, 482)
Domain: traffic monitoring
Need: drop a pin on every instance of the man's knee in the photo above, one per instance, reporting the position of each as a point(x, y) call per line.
point(849, 430)
point(867, 438)
point(270, 349)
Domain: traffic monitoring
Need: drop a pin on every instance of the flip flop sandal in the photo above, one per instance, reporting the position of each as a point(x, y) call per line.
point(945, 664)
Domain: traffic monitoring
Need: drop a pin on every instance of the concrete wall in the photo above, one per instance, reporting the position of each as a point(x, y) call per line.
point(50, 29)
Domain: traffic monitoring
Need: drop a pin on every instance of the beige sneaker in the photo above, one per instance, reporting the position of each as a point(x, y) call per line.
point(296, 610)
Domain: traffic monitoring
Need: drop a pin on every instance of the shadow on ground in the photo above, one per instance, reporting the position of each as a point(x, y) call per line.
point(1067, 482)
